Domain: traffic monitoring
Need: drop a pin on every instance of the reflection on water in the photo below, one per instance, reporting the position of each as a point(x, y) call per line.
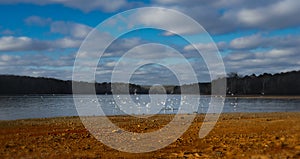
point(21, 107)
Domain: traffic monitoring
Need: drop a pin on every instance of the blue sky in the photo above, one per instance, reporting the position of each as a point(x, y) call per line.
point(42, 38)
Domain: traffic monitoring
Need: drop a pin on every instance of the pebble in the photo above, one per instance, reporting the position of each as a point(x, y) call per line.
point(260, 157)
point(282, 139)
point(189, 156)
point(219, 153)
point(117, 131)
point(196, 155)
point(297, 147)
point(174, 154)
point(181, 154)
point(10, 145)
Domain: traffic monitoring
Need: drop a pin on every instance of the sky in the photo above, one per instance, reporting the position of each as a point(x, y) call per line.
point(43, 38)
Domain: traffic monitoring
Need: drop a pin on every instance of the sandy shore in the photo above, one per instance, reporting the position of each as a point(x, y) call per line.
point(236, 135)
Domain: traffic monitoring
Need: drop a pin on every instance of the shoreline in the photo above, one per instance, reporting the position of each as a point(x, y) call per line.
point(240, 135)
point(264, 96)
point(143, 116)
point(227, 95)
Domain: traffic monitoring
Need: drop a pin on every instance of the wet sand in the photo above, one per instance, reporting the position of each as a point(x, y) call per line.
point(236, 135)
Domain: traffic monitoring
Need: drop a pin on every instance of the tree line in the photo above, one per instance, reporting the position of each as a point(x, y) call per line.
point(287, 83)
point(264, 84)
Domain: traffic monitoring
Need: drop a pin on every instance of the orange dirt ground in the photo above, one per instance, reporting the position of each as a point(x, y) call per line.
point(236, 135)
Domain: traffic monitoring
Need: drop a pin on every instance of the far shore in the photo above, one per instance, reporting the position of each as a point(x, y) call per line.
point(227, 96)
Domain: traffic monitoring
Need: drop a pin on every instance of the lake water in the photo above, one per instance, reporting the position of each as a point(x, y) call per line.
point(43, 106)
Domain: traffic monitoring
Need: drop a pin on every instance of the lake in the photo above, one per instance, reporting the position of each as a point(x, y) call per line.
point(44, 106)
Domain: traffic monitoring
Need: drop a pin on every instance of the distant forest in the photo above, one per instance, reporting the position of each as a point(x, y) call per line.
point(266, 84)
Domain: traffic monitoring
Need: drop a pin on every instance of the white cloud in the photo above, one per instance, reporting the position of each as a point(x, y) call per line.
point(258, 53)
point(75, 30)
point(275, 15)
point(36, 61)
point(104, 5)
point(165, 19)
point(247, 42)
point(37, 72)
point(272, 61)
point(66, 43)
point(258, 41)
point(216, 16)
point(110, 64)
point(276, 53)
point(179, 2)
point(251, 42)
point(10, 43)
point(36, 20)
point(121, 45)
point(7, 58)
point(206, 46)
point(238, 56)
point(74, 34)
point(219, 17)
